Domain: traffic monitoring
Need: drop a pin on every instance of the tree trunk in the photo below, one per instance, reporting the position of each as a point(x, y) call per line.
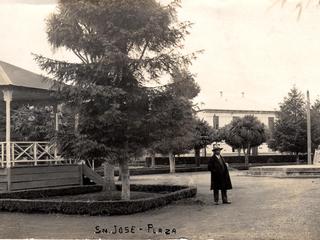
point(248, 154)
point(125, 181)
point(109, 184)
point(297, 158)
point(153, 160)
point(172, 163)
point(125, 178)
point(239, 152)
point(197, 156)
point(246, 158)
point(119, 178)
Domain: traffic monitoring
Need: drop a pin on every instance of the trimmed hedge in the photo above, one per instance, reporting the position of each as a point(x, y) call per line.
point(166, 169)
point(263, 159)
point(49, 192)
point(154, 188)
point(190, 168)
point(31, 205)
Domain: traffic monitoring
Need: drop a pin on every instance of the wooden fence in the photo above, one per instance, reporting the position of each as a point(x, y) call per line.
point(30, 153)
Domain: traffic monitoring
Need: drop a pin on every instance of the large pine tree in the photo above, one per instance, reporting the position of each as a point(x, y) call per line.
point(121, 45)
point(315, 124)
point(290, 130)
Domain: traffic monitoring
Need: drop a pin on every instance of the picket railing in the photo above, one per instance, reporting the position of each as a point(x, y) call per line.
point(33, 153)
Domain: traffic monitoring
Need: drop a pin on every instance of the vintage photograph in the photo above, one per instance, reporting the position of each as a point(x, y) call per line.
point(160, 119)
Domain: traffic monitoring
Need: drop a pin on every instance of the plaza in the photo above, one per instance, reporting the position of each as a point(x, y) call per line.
point(102, 99)
point(262, 208)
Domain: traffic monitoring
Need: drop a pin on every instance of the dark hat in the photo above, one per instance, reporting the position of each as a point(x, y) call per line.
point(216, 147)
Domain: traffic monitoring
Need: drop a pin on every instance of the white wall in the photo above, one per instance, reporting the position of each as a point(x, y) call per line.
point(226, 116)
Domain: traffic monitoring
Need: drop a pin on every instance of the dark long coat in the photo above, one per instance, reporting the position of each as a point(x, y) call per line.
point(220, 178)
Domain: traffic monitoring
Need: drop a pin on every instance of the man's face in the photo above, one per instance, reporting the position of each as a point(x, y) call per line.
point(217, 152)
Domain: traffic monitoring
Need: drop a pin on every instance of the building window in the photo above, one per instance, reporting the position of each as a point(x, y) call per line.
point(271, 123)
point(215, 122)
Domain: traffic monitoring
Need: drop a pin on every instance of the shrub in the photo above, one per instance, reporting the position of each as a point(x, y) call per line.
point(25, 201)
point(48, 192)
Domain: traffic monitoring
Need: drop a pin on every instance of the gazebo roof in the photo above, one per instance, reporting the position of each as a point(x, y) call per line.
point(26, 85)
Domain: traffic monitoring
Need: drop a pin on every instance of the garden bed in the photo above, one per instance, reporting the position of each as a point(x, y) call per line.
point(92, 200)
point(104, 196)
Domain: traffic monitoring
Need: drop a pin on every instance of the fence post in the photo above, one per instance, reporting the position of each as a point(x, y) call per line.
point(12, 154)
point(35, 151)
point(81, 173)
point(7, 97)
point(9, 179)
point(55, 153)
point(2, 154)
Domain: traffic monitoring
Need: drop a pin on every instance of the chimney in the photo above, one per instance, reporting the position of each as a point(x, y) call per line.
point(242, 94)
point(221, 94)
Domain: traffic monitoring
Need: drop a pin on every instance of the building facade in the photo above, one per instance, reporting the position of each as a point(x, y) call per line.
point(227, 109)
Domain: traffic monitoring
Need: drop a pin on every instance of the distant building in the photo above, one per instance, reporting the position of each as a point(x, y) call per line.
point(227, 109)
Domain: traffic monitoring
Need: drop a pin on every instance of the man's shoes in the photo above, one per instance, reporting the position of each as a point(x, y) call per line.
point(226, 202)
point(216, 203)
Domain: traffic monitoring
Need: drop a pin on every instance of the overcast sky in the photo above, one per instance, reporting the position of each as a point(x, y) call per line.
point(249, 45)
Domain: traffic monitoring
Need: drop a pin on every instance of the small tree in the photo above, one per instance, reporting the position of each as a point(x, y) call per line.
point(245, 133)
point(290, 130)
point(204, 135)
point(172, 115)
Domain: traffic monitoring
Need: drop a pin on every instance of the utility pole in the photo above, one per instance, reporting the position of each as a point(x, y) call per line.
point(309, 128)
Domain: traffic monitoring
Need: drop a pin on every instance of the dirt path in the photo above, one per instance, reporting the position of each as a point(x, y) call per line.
point(262, 208)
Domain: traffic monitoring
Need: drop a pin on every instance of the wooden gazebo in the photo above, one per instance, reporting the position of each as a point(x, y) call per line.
point(30, 164)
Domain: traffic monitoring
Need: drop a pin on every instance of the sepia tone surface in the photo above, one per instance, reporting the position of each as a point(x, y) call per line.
point(259, 48)
point(262, 208)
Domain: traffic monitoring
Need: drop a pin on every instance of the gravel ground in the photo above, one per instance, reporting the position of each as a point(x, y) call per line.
point(262, 208)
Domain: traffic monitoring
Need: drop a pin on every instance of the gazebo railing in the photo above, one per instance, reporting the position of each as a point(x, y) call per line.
point(30, 153)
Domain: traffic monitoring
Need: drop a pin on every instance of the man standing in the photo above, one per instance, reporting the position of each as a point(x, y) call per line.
point(220, 179)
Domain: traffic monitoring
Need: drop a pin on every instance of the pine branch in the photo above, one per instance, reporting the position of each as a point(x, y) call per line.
point(78, 54)
point(142, 54)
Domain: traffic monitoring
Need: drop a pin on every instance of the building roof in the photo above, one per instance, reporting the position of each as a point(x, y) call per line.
point(26, 85)
point(236, 111)
point(236, 103)
point(16, 76)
